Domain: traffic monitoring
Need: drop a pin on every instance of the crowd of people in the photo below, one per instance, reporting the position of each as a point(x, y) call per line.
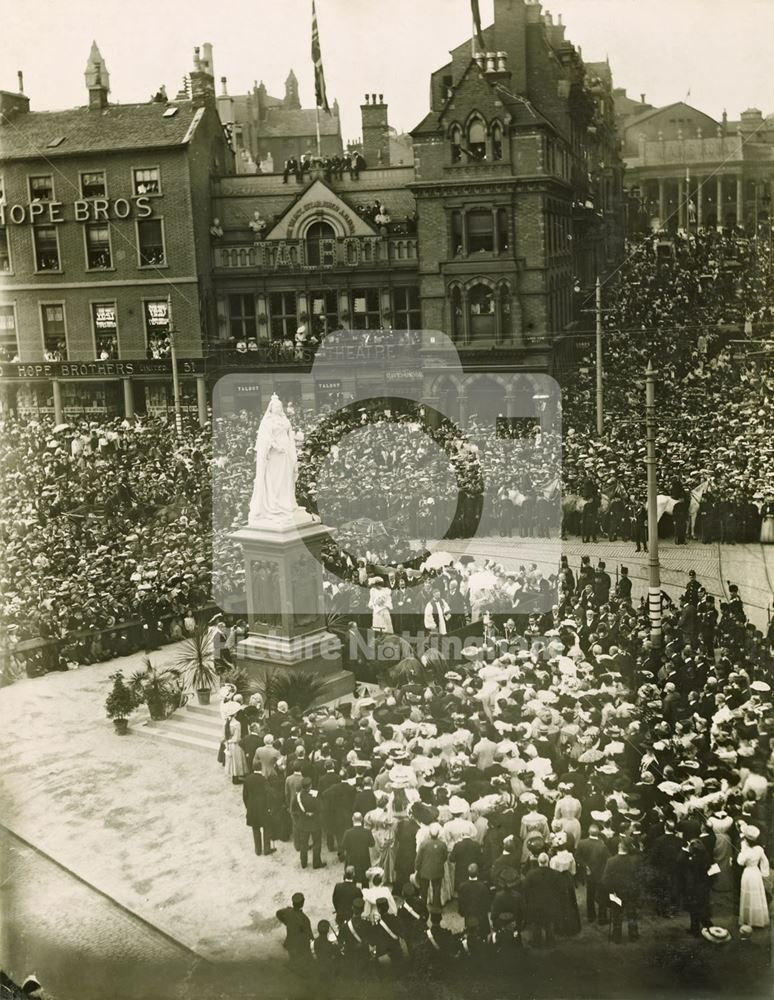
point(69, 568)
point(674, 301)
point(332, 167)
point(471, 808)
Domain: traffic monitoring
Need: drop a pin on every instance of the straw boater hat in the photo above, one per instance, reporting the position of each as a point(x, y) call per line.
point(716, 935)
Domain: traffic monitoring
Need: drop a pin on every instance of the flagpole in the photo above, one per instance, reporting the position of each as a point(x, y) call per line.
point(317, 124)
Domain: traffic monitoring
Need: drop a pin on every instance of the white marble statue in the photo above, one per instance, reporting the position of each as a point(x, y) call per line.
point(276, 469)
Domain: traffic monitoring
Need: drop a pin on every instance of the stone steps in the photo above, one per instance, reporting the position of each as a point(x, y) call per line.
point(194, 725)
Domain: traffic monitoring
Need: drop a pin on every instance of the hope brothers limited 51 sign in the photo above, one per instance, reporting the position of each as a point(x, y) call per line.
point(93, 210)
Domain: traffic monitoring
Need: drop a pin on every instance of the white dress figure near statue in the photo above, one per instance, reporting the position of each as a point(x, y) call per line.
point(753, 905)
point(276, 470)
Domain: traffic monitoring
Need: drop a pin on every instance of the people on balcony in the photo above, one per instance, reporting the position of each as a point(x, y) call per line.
point(216, 230)
point(258, 225)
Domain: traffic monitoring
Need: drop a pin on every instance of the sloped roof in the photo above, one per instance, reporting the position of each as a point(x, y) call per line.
point(638, 119)
point(117, 127)
point(299, 122)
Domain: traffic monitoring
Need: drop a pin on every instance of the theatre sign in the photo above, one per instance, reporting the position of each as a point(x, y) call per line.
point(83, 210)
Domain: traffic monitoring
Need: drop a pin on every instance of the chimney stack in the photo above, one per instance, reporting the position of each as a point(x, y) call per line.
point(642, 98)
point(201, 79)
point(376, 131)
point(223, 83)
point(20, 77)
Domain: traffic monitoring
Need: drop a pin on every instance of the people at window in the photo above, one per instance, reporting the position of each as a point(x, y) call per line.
point(258, 225)
point(216, 230)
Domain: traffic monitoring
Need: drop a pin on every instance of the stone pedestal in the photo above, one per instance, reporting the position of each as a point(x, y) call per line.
point(283, 579)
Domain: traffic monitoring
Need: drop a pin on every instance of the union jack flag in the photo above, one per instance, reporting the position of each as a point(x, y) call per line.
point(319, 75)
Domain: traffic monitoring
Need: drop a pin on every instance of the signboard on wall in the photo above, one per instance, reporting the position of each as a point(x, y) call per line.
point(99, 369)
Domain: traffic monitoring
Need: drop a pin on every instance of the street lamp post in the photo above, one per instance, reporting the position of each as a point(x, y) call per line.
point(175, 379)
point(654, 568)
point(600, 391)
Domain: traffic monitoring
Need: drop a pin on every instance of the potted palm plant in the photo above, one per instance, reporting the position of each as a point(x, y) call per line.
point(120, 703)
point(161, 690)
point(196, 663)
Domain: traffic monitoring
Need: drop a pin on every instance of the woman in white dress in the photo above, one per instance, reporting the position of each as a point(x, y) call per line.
point(236, 761)
point(380, 603)
point(753, 908)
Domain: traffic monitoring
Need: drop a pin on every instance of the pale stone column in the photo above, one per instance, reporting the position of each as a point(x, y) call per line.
point(719, 199)
point(58, 408)
point(661, 200)
point(699, 202)
point(681, 205)
point(739, 201)
point(128, 398)
point(201, 400)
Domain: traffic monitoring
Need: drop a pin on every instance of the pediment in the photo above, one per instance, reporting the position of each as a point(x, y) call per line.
point(319, 204)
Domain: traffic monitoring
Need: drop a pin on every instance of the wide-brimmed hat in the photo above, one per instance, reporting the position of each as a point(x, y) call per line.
point(717, 935)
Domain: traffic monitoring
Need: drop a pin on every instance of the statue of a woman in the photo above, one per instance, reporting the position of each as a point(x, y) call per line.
point(276, 468)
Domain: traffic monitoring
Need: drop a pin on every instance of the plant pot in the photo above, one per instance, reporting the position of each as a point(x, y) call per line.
point(121, 726)
point(203, 696)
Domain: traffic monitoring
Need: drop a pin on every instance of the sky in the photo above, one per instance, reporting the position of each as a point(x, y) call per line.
point(719, 51)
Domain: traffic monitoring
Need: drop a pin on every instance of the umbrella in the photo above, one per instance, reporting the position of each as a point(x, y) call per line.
point(438, 559)
point(760, 686)
point(482, 580)
point(466, 559)
point(591, 757)
point(61, 427)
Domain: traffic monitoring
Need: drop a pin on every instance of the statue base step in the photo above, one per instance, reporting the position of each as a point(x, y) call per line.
point(319, 652)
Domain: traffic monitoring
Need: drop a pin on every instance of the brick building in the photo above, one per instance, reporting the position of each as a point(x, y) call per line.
point(518, 182)
point(104, 223)
point(684, 168)
point(512, 200)
point(268, 130)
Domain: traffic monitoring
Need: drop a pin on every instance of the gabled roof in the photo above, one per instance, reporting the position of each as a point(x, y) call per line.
point(521, 110)
point(310, 201)
point(638, 119)
point(117, 127)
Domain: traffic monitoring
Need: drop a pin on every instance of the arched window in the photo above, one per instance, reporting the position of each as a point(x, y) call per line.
point(506, 328)
point(456, 143)
point(497, 142)
point(481, 305)
point(457, 319)
point(320, 240)
point(477, 139)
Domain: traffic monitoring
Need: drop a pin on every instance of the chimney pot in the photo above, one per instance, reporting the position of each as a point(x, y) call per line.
point(381, 98)
point(224, 82)
point(20, 75)
point(366, 98)
point(642, 98)
point(373, 98)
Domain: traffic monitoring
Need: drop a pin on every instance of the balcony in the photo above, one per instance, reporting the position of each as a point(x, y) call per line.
point(271, 256)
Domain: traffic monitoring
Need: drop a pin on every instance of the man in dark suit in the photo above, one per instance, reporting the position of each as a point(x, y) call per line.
point(431, 860)
point(255, 795)
point(344, 895)
point(338, 803)
point(387, 938)
point(356, 847)
point(365, 799)
point(542, 894)
point(412, 914)
point(591, 856)
point(356, 937)
point(251, 742)
point(305, 810)
point(474, 900)
point(622, 879)
point(298, 933)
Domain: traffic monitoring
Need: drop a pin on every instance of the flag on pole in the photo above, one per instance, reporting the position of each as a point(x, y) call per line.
point(477, 25)
point(319, 76)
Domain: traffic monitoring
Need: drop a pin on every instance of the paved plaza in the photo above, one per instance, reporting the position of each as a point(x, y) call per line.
point(155, 827)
